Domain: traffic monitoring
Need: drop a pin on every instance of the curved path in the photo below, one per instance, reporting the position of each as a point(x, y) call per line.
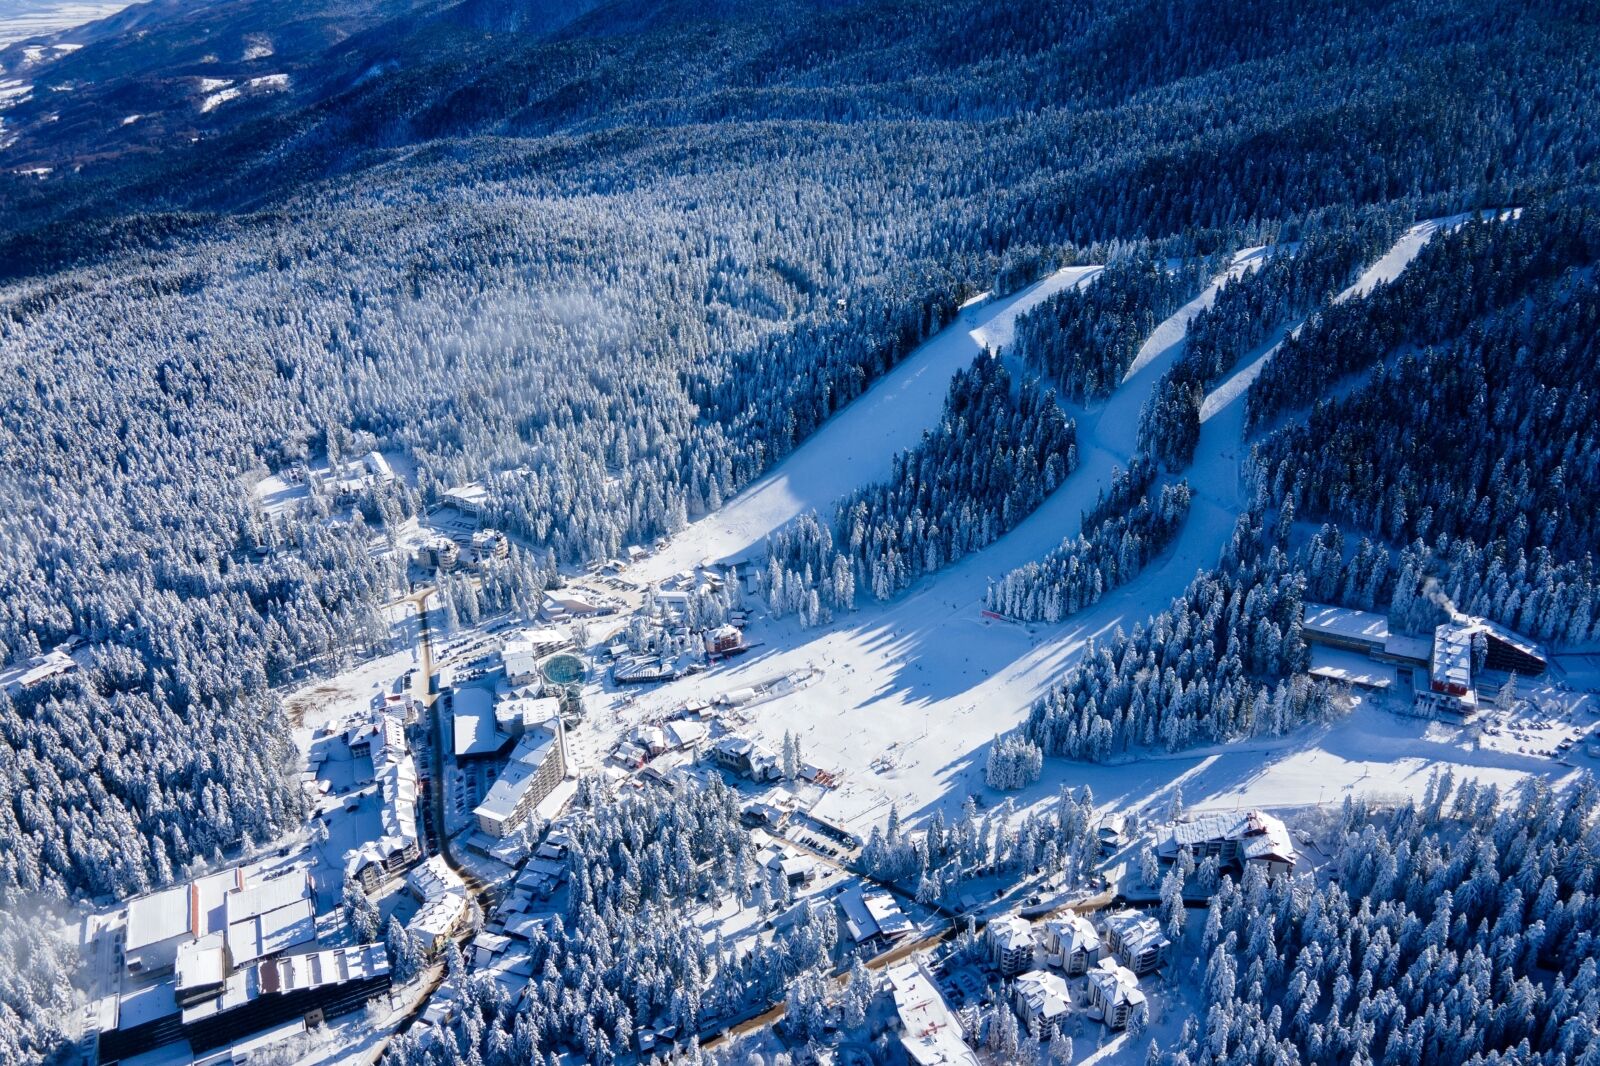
point(924, 682)
point(857, 446)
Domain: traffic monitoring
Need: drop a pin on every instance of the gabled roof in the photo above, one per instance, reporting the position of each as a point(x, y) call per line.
point(1044, 993)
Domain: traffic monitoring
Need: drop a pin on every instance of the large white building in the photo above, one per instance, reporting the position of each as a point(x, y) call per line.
point(538, 764)
point(1114, 993)
point(247, 918)
point(1010, 944)
point(929, 1031)
point(1042, 1001)
point(1136, 940)
point(445, 908)
point(1442, 668)
point(1071, 943)
point(1236, 839)
point(395, 771)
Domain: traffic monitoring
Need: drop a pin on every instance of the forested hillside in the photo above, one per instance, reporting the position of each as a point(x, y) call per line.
point(1460, 928)
point(614, 273)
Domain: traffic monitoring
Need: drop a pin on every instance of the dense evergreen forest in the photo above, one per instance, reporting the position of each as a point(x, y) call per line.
point(1460, 928)
point(1250, 310)
point(997, 451)
point(1116, 539)
point(1223, 662)
point(1086, 338)
point(615, 274)
point(1491, 437)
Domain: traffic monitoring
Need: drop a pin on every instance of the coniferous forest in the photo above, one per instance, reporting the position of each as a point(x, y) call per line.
point(615, 262)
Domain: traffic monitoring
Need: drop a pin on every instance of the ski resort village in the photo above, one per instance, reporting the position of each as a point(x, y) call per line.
point(897, 755)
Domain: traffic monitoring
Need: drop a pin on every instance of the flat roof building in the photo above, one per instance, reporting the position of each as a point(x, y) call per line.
point(538, 764)
point(929, 1031)
point(472, 723)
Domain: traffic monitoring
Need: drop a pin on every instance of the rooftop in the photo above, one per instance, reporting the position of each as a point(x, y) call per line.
point(1452, 653)
point(1075, 932)
point(1116, 983)
point(1251, 825)
point(1044, 993)
point(1011, 933)
point(526, 759)
point(1345, 622)
point(932, 1036)
point(472, 721)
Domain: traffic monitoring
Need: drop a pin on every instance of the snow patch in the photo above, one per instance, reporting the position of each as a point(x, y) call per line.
point(216, 100)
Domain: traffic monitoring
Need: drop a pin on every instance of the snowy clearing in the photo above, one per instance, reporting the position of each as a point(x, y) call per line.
point(912, 691)
point(858, 445)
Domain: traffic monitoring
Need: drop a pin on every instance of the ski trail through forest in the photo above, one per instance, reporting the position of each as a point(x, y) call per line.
point(857, 446)
point(926, 676)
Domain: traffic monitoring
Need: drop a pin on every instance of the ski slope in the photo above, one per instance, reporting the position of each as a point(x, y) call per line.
point(1385, 270)
point(912, 691)
point(857, 446)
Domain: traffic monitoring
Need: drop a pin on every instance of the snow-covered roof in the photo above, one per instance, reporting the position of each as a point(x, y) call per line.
point(1349, 668)
point(157, 917)
point(931, 1034)
point(683, 734)
point(1011, 933)
point(1044, 993)
point(1348, 623)
point(523, 713)
point(472, 721)
point(296, 972)
point(866, 916)
point(886, 913)
point(270, 916)
point(1074, 933)
point(202, 962)
point(517, 777)
point(1452, 654)
point(1116, 984)
point(1136, 931)
point(1267, 834)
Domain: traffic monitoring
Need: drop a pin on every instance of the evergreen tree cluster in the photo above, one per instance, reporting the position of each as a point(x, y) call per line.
point(1250, 309)
point(1014, 761)
point(1494, 437)
point(1110, 551)
point(997, 452)
point(36, 968)
point(1086, 337)
point(1224, 662)
point(1460, 275)
point(1061, 838)
point(1458, 929)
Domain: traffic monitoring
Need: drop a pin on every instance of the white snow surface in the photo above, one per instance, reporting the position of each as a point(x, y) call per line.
point(857, 446)
point(912, 691)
